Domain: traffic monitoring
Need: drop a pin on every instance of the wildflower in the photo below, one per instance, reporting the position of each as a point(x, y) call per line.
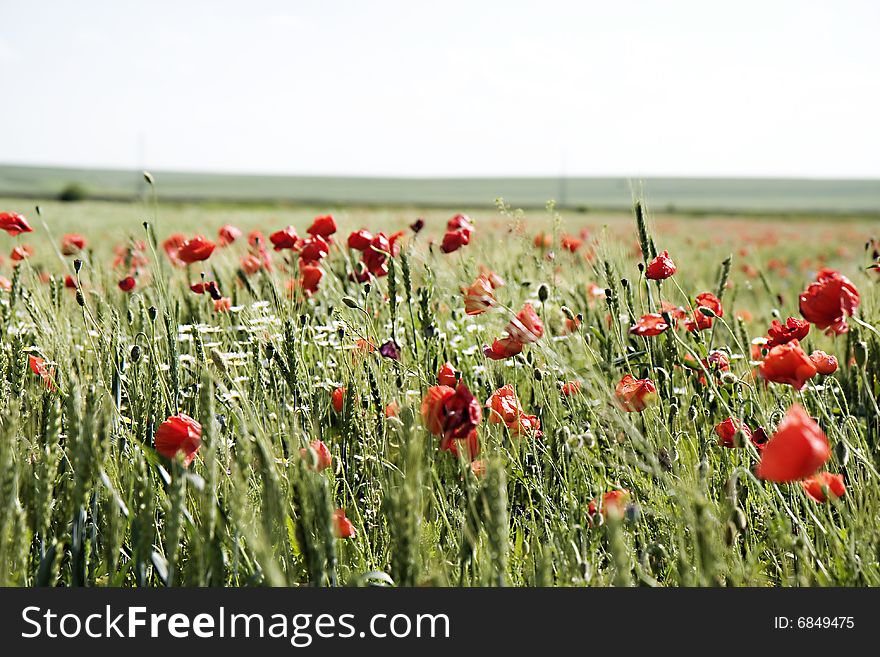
point(338, 399)
point(788, 363)
point(127, 284)
point(323, 226)
point(376, 255)
point(450, 413)
point(38, 366)
point(286, 238)
point(195, 249)
point(222, 305)
point(649, 325)
point(417, 225)
point(570, 389)
point(309, 278)
point(613, 503)
point(22, 252)
point(796, 451)
point(543, 241)
point(392, 409)
point(179, 433)
point(313, 249)
point(471, 443)
point(69, 282)
point(447, 376)
point(817, 485)
point(342, 526)
point(660, 268)
point(635, 395)
point(504, 405)
point(828, 301)
point(824, 363)
point(14, 223)
point(494, 279)
point(502, 348)
point(571, 243)
point(526, 327)
point(479, 297)
point(794, 329)
point(322, 459)
point(455, 239)
point(171, 246)
point(359, 240)
point(707, 307)
point(390, 350)
point(731, 431)
point(72, 243)
point(227, 235)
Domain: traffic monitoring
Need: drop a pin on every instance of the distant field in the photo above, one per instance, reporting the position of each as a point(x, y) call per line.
point(665, 194)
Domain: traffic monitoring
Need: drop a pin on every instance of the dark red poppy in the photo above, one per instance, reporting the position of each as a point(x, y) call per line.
point(338, 399)
point(227, 235)
point(452, 414)
point(503, 348)
point(376, 255)
point(309, 278)
point(14, 223)
point(359, 240)
point(22, 252)
point(195, 249)
point(70, 282)
point(179, 433)
point(635, 395)
point(731, 431)
point(649, 325)
point(314, 249)
point(453, 240)
point(72, 243)
point(827, 302)
point(660, 268)
point(825, 364)
point(793, 329)
point(526, 327)
point(323, 226)
point(447, 375)
point(286, 238)
point(796, 451)
point(817, 485)
point(788, 363)
point(321, 459)
point(127, 284)
point(461, 222)
point(390, 350)
point(342, 526)
point(417, 225)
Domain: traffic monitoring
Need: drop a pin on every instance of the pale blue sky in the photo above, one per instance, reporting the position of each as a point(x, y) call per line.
point(636, 88)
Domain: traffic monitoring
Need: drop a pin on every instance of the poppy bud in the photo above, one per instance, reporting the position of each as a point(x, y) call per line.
point(153, 313)
point(351, 303)
point(708, 312)
point(860, 350)
point(80, 299)
point(738, 518)
point(567, 312)
point(841, 453)
point(538, 375)
point(135, 353)
point(543, 293)
point(77, 265)
point(728, 378)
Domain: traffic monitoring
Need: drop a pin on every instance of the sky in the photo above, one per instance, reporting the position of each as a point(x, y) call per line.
point(418, 88)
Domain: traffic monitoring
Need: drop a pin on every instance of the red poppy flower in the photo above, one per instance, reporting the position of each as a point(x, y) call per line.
point(471, 443)
point(171, 246)
point(38, 366)
point(613, 502)
point(342, 526)
point(460, 222)
point(570, 389)
point(788, 363)
point(72, 243)
point(824, 363)
point(796, 451)
point(314, 249)
point(503, 348)
point(794, 329)
point(127, 284)
point(22, 252)
point(447, 375)
point(376, 255)
point(256, 239)
point(479, 297)
point(543, 241)
point(526, 425)
point(816, 486)
point(493, 278)
point(526, 327)
point(701, 321)
point(322, 459)
point(286, 238)
point(195, 249)
point(660, 268)
point(227, 235)
point(453, 240)
point(359, 240)
point(222, 305)
point(827, 302)
point(309, 278)
point(635, 395)
point(179, 433)
point(728, 430)
point(14, 223)
point(649, 325)
point(417, 225)
point(338, 399)
point(450, 413)
point(322, 226)
point(392, 409)
point(504, 405)
point(571, 243)
point(69, 282)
